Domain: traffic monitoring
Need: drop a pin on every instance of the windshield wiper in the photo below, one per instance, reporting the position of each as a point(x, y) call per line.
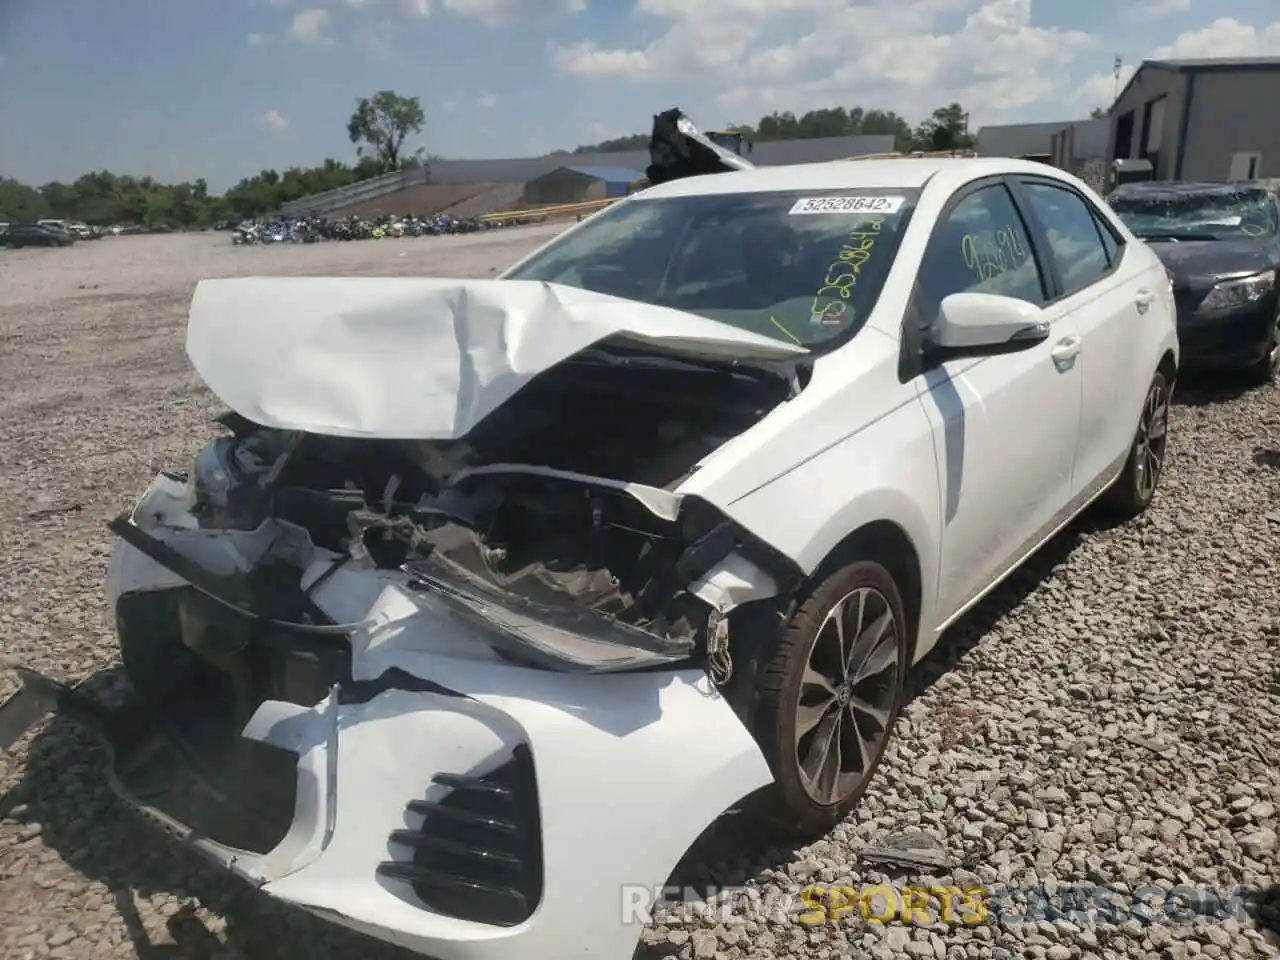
point(730, 368)
point(1178, 236)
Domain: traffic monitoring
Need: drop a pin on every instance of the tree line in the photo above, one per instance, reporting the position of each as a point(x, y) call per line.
point(380, 127)
point(106, 198)
point(946, 128)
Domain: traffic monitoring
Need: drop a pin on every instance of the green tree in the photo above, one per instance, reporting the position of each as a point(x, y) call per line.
point(60, 198)
point(785, 125)
point(382, 123)
point(1099, 113)
point(20, 203)
point(947, 128)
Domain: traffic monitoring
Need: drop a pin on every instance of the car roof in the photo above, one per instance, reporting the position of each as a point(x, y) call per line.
point(897, 173)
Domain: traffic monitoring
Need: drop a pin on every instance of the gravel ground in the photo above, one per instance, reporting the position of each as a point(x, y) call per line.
point(1111, 718)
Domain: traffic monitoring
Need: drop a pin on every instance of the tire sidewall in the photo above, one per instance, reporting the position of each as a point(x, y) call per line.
point(802, 633)
point(1131, 468)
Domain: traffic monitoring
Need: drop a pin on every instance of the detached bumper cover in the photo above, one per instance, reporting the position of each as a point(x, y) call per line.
point(447, 801)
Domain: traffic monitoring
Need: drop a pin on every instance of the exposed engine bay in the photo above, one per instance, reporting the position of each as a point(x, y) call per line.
point(342, 649)
point(534, 519)
point(550, 533)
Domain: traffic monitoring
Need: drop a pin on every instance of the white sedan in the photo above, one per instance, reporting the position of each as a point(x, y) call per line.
point(498, 592)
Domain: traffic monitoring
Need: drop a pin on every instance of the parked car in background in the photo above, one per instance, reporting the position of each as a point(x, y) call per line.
point(1220, 242)
point(83, 231)
point(35, 235)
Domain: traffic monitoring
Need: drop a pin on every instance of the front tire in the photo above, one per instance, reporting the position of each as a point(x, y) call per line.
point(1136, 486)
point(1267, 370)
point(829, 695)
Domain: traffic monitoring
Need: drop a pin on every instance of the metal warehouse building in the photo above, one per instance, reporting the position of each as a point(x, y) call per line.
point(578, 183)
point(1201, 119)
point(1063, 143)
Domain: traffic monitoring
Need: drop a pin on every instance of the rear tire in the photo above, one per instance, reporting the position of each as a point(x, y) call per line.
point(834, 680)
point(1135, 488)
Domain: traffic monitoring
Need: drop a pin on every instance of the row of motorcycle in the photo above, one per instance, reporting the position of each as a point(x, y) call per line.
point(315, 229)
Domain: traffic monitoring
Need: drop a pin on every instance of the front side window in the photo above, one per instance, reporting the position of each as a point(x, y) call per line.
point(1074, 242)
point(798, 266)
point(980, 246)
point(1199, 213)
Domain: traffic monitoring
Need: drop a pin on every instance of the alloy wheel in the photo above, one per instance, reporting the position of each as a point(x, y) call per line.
point(847, 695)
point(1149, 447)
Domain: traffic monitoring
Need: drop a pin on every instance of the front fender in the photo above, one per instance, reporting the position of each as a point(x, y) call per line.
point(886, 473)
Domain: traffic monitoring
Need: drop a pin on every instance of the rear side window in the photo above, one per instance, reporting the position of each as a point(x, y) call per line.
point(1072, 231)
point(1109, 243)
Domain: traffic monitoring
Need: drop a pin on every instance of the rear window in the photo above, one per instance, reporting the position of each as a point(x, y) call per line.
point(802, 267)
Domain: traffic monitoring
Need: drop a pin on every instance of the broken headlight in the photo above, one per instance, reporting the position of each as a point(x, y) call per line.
point(225, 489)
point(1236, 293)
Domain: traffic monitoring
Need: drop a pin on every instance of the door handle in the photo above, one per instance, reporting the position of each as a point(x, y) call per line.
point(1068, 348)
point(1144, 300)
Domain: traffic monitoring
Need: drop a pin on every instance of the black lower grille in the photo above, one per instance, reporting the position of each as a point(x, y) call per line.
point(478, 854)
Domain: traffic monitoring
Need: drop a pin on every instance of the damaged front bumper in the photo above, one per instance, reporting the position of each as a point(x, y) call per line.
point(431, 792)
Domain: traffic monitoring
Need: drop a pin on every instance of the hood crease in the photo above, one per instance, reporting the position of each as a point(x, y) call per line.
point(418, 358)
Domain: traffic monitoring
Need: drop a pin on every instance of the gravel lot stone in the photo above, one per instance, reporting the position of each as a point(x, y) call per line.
point(1110, 718)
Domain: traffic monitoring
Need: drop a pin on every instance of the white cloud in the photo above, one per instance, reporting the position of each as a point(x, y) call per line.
point(1160, 8)
point(487, 102)
point(258, 39)
point(449, 106)
point(377, 40)
point(371, 25)
point(273, 121)
point(382, 8)
point(1224, 37)
point(501, 12)
point(906, 56)
point(587, 59)
point(308, 25)
point(1101, 88)
point(489, 12)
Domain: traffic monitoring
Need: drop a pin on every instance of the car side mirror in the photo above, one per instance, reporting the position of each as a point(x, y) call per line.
point(985, 325)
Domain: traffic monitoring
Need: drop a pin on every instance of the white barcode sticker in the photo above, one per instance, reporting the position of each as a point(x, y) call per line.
point(847, 205)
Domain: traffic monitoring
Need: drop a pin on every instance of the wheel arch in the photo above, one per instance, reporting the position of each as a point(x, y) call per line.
point(889, 544)
point(1168, 366)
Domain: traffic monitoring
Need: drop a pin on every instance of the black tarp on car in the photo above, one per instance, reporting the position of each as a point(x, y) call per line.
point(678, 149)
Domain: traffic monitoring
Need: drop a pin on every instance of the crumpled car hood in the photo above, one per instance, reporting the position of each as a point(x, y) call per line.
point(417, 359)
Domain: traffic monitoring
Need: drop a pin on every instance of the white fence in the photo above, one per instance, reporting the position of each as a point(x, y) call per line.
point(364, 190)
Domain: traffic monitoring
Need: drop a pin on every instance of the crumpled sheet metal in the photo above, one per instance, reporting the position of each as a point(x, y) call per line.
point(416, 359)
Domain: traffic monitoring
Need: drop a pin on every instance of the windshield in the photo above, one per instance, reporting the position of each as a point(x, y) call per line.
point(1219, 214)
point(801, 267)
